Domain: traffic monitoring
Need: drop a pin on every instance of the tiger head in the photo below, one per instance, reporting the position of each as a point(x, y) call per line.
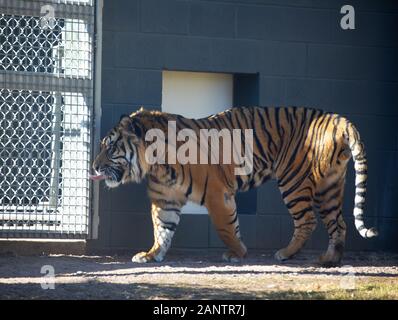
point(120, 157)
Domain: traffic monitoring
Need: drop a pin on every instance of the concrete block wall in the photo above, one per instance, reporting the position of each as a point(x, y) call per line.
point(300, 56)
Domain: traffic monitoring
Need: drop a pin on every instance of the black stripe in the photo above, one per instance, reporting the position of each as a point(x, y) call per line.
point(239, 181)
point(360, 228)
point(154, 191)
point(310, 223)
point(296, 185)
point(361, 185)
point(204, 191)
point(189, 190)
point(359, 217)
point(167, 225)
point(294, 202)
point(176, 210)
point(298, 215)
point(269, 137)
point(278, 127)
point(325, 191)
point(359, 158)
point(336, 124)
point(333, 231)
point(234, 220)
point(329, 210)
point(360, 205)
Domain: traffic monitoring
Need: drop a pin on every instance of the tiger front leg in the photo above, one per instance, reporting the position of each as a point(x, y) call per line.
point(165, 218)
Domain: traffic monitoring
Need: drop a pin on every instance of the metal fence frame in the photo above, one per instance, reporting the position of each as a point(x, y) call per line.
point(23, 80)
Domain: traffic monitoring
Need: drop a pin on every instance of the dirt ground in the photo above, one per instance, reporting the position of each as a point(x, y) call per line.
point(203, 276)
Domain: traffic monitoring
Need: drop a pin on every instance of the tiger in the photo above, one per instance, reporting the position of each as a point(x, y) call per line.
point(306, 150)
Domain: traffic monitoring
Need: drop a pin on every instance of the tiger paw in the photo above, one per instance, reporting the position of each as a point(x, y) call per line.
point(143, 257)
point(231, 257)
point(281, 255)
point(328, 261)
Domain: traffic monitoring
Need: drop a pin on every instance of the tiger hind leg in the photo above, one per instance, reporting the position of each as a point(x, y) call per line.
point(300, 206)
point(329, 204)
point(223, 213)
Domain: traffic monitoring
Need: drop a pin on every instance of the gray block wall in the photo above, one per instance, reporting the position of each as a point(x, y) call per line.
point(298, 55)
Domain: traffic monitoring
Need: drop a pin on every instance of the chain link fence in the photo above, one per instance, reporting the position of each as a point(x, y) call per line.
point(46, 107)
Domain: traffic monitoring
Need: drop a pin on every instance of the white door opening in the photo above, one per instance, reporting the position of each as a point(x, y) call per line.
point(196, 95)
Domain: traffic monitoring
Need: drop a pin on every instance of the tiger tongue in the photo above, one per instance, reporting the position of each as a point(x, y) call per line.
point(97, 177)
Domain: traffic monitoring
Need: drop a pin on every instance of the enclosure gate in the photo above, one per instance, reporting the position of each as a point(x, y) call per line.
point(46, 108)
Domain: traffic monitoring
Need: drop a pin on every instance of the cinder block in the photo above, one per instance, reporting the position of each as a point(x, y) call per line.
point(133, 231)
point(258, 22)
point(383, 128)
point(373, 98)
point(272, 91)
point(343, 62)
point(164, 16)
point(214, 239)
point(131, 199)
point(269, 199)
point(306, 24)
point(188, 54)
point(283, 23)
point(192, 232)
point(105, 198)
point(388, 236)
point(248, 231)
point(107, 121)
point(319, 239)
point(387, 94)
point(121, 15)
point(133, 50)
point(287, 229)
point(109, 48)
point(355, 242)
point(309, 93)
point(371, 28)
point(104, 230)
point(376, 6)
point(350, 95)
point(268, 232)
point(132, 86)
point(247, 226)
point(283, 58)
point(228, 55)
point(247, 202)
point(213, 20)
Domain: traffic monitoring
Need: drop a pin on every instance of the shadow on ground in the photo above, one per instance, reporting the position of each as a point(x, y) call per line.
point(184, 277)
point(145, 291)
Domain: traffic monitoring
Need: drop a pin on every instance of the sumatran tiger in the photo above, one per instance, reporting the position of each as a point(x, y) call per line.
point(305, 150)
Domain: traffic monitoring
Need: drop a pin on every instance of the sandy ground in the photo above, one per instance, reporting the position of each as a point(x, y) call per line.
point(204, 276)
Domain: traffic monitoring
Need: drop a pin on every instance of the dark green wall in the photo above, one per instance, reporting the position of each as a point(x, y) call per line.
point(298, 55)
